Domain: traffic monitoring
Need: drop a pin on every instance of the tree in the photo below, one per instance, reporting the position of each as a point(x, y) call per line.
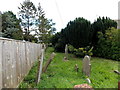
point(45, 29)
point(78, 33)
point(11, 26)
point(54, 38)
point(27, 15)
point(101, 25)
point(34, 17)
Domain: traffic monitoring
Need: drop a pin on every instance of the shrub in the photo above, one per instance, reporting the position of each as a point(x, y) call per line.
point(108, 45)
point(71, 48)
point(81, 52)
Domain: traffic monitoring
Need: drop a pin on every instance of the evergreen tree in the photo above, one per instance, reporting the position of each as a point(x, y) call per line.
point(78, 33)
point(11, 26)
point(27, 16)
point(101, 25)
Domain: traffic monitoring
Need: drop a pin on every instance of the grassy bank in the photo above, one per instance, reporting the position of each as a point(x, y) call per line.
point(61, 74)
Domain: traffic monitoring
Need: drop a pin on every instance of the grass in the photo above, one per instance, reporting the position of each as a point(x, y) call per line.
point(61, 74)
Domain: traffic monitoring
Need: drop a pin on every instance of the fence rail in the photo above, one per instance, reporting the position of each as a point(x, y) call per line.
point(16, 59)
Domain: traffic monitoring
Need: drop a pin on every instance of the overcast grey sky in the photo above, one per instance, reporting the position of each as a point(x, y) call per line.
point(62, 11)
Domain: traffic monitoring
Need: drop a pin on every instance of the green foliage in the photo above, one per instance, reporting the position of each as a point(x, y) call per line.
point(33, 21)
point(61, 74)
point(84, 51)
point(46, 29)
point(58, 42)
point(27, 13)
point(54, 39)
point(30, 80)
point(81, 33)
point(101, 25)
point(108, 45)
point(81, 52)
point(78, 33)
point(10, 26)
point(71, 48)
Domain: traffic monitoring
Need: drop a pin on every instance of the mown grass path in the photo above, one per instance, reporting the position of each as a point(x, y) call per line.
point(61, 74)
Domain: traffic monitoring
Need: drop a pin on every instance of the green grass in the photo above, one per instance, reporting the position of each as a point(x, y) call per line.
point(61, 74)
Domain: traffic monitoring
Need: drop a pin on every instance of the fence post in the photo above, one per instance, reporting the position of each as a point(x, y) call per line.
point(0, 64)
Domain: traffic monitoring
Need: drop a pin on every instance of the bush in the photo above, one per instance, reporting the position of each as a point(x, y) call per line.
point(108, 45)
point(71, 48)
point(81, 52)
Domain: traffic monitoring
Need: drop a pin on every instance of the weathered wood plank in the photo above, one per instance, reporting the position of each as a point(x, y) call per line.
point(1, 64)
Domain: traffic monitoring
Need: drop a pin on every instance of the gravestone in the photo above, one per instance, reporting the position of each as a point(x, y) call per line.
point(86, 65)
point(66, 52)
point(76, 68)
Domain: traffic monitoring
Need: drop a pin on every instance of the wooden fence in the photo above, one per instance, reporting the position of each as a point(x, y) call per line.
point(16, 59)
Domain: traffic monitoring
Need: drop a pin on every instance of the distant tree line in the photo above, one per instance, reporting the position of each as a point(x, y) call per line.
point(82, 34)
point(30, 26)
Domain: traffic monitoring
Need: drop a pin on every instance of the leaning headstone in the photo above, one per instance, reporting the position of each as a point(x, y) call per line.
point(66, 52)
point(48, 62)
point(86, 65)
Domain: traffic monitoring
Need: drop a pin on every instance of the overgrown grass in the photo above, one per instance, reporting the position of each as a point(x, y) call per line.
point(30, 80)
point(61, 74)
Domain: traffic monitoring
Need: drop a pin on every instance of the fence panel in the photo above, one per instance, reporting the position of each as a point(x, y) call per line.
point(16, 59)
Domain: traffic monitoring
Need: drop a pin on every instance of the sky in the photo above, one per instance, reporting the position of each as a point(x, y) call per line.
point(62, 11)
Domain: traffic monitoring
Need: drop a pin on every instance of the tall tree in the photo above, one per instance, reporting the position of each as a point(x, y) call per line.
point(11, 26)
point(78, 33)
point(27, 15)
point(45, 28)
point(101, 25)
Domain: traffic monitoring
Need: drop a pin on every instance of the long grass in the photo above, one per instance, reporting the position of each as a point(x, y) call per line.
point(61, 74)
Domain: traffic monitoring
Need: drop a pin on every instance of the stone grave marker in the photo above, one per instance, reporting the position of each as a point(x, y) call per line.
point(86, 65)
point(66, 52)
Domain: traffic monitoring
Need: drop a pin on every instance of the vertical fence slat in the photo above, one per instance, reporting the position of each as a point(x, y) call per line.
point(4, 64)
point(14, 77)
point(1, 64)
